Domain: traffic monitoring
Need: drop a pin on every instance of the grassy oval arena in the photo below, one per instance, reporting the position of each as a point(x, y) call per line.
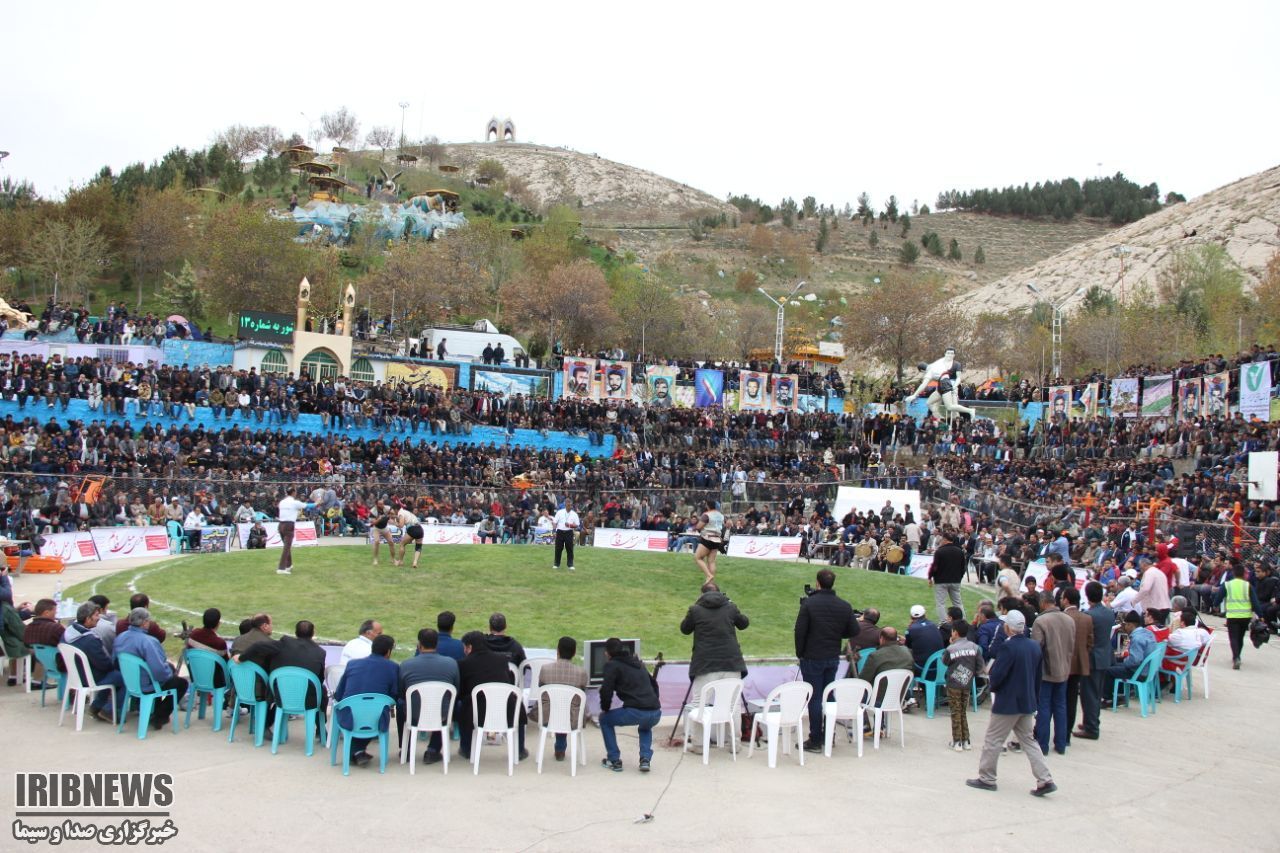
point(612, 593)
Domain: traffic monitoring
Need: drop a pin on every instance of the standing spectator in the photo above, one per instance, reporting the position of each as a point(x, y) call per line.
point(963, 659)
point(1056, 633)
point(1102, 619)
point(825, 620)
point(1015, 681)
point(1153, 594)
point(1081, 653)
point(946, 573)
point(714, 622)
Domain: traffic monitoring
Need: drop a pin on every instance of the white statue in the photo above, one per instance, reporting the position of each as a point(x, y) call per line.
point(943, 403)
point(23, 320)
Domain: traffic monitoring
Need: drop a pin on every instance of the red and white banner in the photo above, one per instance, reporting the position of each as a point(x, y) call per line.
point(449, 534)
point(71, 547)
point(764, 547)
point(304, 533)
point(118, 543)
point(629, 540)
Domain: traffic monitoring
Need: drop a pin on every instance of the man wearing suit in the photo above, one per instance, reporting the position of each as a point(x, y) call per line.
point(1056, 634)
point(427, 665)
point(1103, 619)
point(300, 650)
point(1015, 681)
point(481, 666)
point(376, 673)
point(1081, 655)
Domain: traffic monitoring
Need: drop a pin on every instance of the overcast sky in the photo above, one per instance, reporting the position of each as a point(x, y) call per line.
point(769, 99)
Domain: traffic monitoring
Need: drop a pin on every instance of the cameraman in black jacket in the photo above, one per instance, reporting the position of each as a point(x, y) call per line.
point(824, 622)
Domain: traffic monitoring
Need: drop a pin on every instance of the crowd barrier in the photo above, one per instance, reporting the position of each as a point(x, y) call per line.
point(117, 543)
point(304, 534)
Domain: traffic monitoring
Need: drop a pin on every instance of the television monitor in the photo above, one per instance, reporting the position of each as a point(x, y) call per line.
point(594, 658)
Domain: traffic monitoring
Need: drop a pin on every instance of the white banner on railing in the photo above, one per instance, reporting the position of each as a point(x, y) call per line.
point(764, 547)
point(629, 540)
point(304, 534)
point(71, 547)
point(449, 534)
point(118, 543)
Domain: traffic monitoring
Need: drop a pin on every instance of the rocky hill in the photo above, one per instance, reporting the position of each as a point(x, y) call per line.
point(602, 190)
point(1243, 217)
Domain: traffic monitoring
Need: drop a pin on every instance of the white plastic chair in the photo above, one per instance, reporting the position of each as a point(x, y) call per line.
point(515, 672)
point(527, 678)
point(332, 675)
point(897, 684)
point(844, 699)
point(497, 698)
point(80, 681)
point(785, 708)
point(434, 701)
point(719, 707)
point(560, 719)
point(1201, 665)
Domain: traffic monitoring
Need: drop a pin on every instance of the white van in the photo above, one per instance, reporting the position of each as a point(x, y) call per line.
point(467, 343)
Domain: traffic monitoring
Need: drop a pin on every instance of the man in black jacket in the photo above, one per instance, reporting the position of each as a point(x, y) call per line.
point(626, 676)
point(824, 622)
point(300, 650)
point(481, 666)
point(946, 573)
point(714, 621)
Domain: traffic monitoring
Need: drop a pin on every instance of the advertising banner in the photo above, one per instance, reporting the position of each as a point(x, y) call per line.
point(1124, 397)
point(304, 534)
point(216, 540)
point(265, 326)
point(753, 391)
point(117, 543)
point(1255, 391)
point(764, 547)
point(617, 380)
point(580, 379)
point(708, 388)
point(71, 547)
point(629, 540)
point(510, 384)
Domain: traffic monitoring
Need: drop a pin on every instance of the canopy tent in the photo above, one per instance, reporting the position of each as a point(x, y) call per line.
point(313, 167)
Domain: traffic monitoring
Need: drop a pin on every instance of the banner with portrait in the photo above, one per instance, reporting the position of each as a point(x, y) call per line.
point(1124, 397)
point(1214, 397)
point(415, 375)
point(1255, 390)
point(708, 388)
point(784, 389)
point(1059, 402)
point(1084, 403)
point(580, 379)
point(753, 391)
point(1157, 396)
point(660, 391)
point(1189, 398)
point(616, 380)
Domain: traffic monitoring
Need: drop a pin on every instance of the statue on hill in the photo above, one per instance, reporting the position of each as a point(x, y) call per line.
point(943, 402)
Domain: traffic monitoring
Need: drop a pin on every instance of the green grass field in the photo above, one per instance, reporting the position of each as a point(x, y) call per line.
point(611, 594)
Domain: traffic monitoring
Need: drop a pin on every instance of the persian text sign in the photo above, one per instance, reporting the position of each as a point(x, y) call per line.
point(764, 547)
point(629, 540)
point(304, 533)
point(71, 547)
point(118, 543)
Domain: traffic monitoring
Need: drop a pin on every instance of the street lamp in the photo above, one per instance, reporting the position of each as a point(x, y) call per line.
point(310, 122)
point(1056, 336)
point(782, 311)
point(404, 105)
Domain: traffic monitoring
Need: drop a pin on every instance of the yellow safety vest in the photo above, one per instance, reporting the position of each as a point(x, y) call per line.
point(1239, 602)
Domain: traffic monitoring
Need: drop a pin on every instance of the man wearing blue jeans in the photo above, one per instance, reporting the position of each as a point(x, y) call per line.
point(626, 676)
point(824, 622)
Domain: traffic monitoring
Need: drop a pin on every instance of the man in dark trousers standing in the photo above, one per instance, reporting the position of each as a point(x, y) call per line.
point(825, 621)
point(1015, 681)
point(714, 621)
point(1103, 619)
point(1081, 655)
point(946, 574)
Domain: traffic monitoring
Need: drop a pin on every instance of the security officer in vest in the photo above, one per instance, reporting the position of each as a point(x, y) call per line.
point(1240, 604)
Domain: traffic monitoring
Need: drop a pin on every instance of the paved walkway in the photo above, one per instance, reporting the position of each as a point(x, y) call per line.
point(1199, 775)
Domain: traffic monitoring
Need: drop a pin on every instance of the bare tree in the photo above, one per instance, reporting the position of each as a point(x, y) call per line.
point(341, 126)
point(571, 302)
point(431, 149)
point(268, 140)
point(381, 136)
point(904, 318)
point(159, 234)
point(239, 140)
point(68, 255)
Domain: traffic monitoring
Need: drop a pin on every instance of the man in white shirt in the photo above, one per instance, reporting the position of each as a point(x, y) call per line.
point(566, 525)
point(192, 526)
point(362, 645)
point(1127, 598)
point(288, 517)
point(1188, 637)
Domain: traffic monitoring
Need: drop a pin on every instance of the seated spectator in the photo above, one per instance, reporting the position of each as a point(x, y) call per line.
point(954, 614)
point(300, 650)
point(986, 626)
point(1126, 599)
point(447, 644)
point(11, 631)
point(258, 629)
point(82, 635)
point(868, 636)
point(626, 677)
point(135, 601)
point(562, 671)
point(481, 666)
point(427, 665)
point(1141, 643)
point(361, 645)
point(889, 655)
point(257, 537)
point(1188, 637)
point(106, 623)
point(923, 637)
point(44, 629)
point(373, 673)
point(502, 644)
point(137, 640)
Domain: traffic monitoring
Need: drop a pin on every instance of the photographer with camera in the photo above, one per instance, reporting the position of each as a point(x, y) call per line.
point(825, 621)
point(714, 621)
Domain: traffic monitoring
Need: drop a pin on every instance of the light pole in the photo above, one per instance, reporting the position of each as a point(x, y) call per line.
point(404, 105)
point(782, 311)
point(1056, 329)
point(310, 122)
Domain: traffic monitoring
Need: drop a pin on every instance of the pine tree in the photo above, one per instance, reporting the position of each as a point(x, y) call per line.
point(909, 253)
point(979, 256)
point(823, 233)
point(183, 293)
point(874, 239)
point(905, 219)
point(954, 253)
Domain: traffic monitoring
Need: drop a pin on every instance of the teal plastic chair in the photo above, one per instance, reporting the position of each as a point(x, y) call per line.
point(366, 714)
point(290, 686)
point(48, 658)
point(203, 667)
point(1186, 665)
point(934, 680)
point(245, 678)
point(862, 661)
point(137, 677)
point(1145, 682)
point(178, 541)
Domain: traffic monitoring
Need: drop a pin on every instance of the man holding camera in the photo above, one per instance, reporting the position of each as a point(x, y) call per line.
point(824, 622)
point(714, 621)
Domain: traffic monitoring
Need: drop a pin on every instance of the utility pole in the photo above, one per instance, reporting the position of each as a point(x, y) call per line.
point(782, 313)
point(404, 105)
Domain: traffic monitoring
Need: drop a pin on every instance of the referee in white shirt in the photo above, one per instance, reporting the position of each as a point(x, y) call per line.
point(288, 517)
point(566, 525)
